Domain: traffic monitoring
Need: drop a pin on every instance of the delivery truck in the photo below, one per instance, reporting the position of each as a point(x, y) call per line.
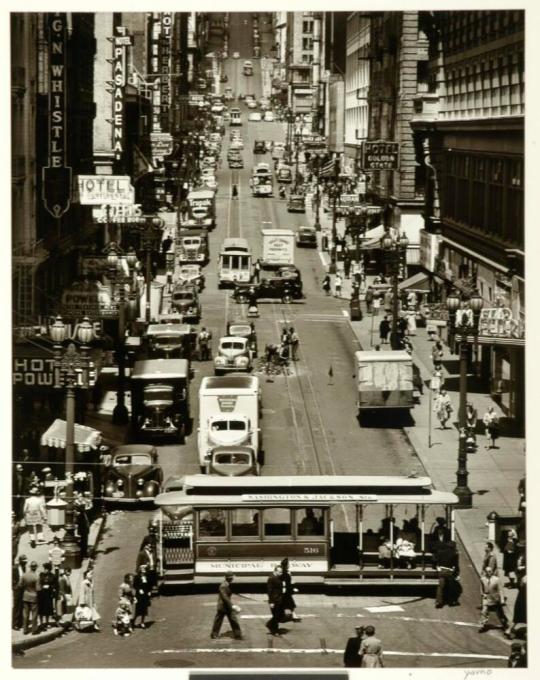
point(278, 247)
point(229, 413)
point(385, 380)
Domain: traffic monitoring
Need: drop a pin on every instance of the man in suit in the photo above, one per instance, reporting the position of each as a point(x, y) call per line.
point(19, 569)
point(30, 587)
point(225, 608)
point(447, 563)
point(147, 557)
point(274, 587)
point(492, 600)
point(352, 657)
point(490, 560)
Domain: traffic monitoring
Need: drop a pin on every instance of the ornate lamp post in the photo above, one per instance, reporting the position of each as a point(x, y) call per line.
point(71, 370)
point(395, 247)
point(150, 232)
point(464, 319)
point(297, 140)
point(334, 191)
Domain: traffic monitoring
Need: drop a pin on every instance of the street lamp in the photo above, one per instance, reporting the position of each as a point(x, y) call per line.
point(71, 370)
point(334, 191)
point(395, 247)
point(464, 316)
point(297, 140)
point(150, 232)
point(317, 168)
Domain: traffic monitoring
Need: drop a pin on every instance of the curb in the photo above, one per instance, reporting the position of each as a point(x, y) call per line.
point(48, 636)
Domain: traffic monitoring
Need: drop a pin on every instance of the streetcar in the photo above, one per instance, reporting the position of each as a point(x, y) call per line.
point(234, 262)
point(330, 528)
point(236, 116)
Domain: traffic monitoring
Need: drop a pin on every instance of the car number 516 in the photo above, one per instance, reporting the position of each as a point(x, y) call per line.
point(311, 551)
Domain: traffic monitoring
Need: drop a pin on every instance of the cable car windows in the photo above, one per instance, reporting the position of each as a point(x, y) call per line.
point(277, 522)
point(212, 524)
point(245, 522)
point(310, 522)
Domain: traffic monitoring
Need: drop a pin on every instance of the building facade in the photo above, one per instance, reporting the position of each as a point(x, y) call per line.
point(473, 144)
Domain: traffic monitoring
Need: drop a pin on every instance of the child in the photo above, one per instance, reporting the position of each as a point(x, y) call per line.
point(123, 624)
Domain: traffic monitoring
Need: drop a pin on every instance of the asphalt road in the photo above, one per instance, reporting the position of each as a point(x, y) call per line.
point(309, 427)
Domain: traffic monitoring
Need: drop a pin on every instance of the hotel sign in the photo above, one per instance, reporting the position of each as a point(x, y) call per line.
point(105, 189)
point(56, 176)
point(380, 155)
point(165, 66)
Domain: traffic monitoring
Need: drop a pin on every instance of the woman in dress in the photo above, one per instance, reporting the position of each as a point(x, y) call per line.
point(143, 589)
point(126, 591)
point(491, 422)
point(87, 597)
point(288, 602)
point(510, 556)
point(371, 650)
point(35, 515)
point(46, 596)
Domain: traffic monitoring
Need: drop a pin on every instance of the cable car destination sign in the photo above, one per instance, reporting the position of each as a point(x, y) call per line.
point(380, 155)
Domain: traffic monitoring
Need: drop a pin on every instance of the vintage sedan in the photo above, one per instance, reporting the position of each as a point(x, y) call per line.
point(234, 461)
point(243, 329)
point(296, 203)
point(306, 237)
point(233, 355)
point(276, 287)
point(133, 475)
point(185, 300)
point(191, 274)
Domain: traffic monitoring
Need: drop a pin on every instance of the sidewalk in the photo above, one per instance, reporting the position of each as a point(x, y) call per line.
point(493, 474)
point(19, 641)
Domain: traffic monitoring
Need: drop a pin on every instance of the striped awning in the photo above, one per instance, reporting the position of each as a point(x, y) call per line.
point(86, 438)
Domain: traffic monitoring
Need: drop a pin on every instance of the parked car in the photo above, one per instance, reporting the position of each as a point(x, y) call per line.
point(254, 117)
point(133, 476)
point(259, 146)
point(296, 203)
point(237, 143)
point(224, 78)
point(243, 329)
point(235, 162)
point(185, 300)
point(233, 355)
point(269, 116)
point(191, 274)
point(251, 104)
point(210, 182)
point(306, 236)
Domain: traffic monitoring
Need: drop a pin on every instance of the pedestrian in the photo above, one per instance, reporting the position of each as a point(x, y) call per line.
point(288, 603)
point(384, 330)
point(447, 564)
point(443, 408)
point(411, 323)
point(352, 658)
point(87, 600)
point(143, 589)
point(30, 585)
point(147, 556)
point(285, 339)
point(35, 515)
point(17, 572)
point(83, 525)
point(369, 299)
point(326, 284)
point(491, 422)
point(439, 534)
point(338, 282)
point(235, 191)
point(492, 601)
point(123, 622)
point(226, 608)
point(376, 305)
point(518, 655)
point(64, 595)
point(56, 555)
point(490, 560)
point(257, 270)
point(347, 266)
point(166, 244)
point(294, 342)
point(126, 591)
point(510, 556)
point(520, 606)
point(437, 353)
point(274, 588)
point(471, 419)
point(204, 344)
point(18, 490)
point(371, 650)
point(47, 596)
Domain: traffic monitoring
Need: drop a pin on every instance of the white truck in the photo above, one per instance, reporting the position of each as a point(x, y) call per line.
point(278, 247)
point(229, 412)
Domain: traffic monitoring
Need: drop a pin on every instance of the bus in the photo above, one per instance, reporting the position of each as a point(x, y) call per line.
point(330, 528)
point(236, 117)
point(234, 262)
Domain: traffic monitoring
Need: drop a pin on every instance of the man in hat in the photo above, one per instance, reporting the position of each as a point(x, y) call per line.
point(18, 571)
point(492, 601)
point(225, 608)
point(274, 587)
point(352, 657)
point(30, 587)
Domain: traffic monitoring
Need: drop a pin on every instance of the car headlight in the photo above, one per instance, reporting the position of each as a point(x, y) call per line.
point(109, 489)
point(119, 482)
point(220, 361)
point(139, 493)
point(140, 481)
point(241, 361)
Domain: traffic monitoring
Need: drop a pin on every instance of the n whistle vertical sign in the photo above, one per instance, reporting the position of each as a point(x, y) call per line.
point(56, 176)
point(165, 67)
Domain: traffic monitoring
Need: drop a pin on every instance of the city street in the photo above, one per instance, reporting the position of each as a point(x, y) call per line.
point(309, 420)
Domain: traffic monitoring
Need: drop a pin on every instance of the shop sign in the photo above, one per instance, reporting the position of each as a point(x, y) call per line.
point(227, 404)
point(429, 249)
point(499, 322)
point(56, 176)
point(105, 189)
point(119, 83)
point(380, 155)
point(118, 214)
point(91, 300)
point(165, 66)
point(33, 372)
point(161, 144)
point(155, 70)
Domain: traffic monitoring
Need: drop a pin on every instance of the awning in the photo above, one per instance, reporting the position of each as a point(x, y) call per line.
point(418, 283)
point(86, 438)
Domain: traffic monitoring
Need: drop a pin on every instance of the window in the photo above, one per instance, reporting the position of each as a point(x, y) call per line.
point(479, 193)
point(245, 523)
point(307, 26)
point(212, 524)
point(307, 43)
point(310, 522)
point(277, 523)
